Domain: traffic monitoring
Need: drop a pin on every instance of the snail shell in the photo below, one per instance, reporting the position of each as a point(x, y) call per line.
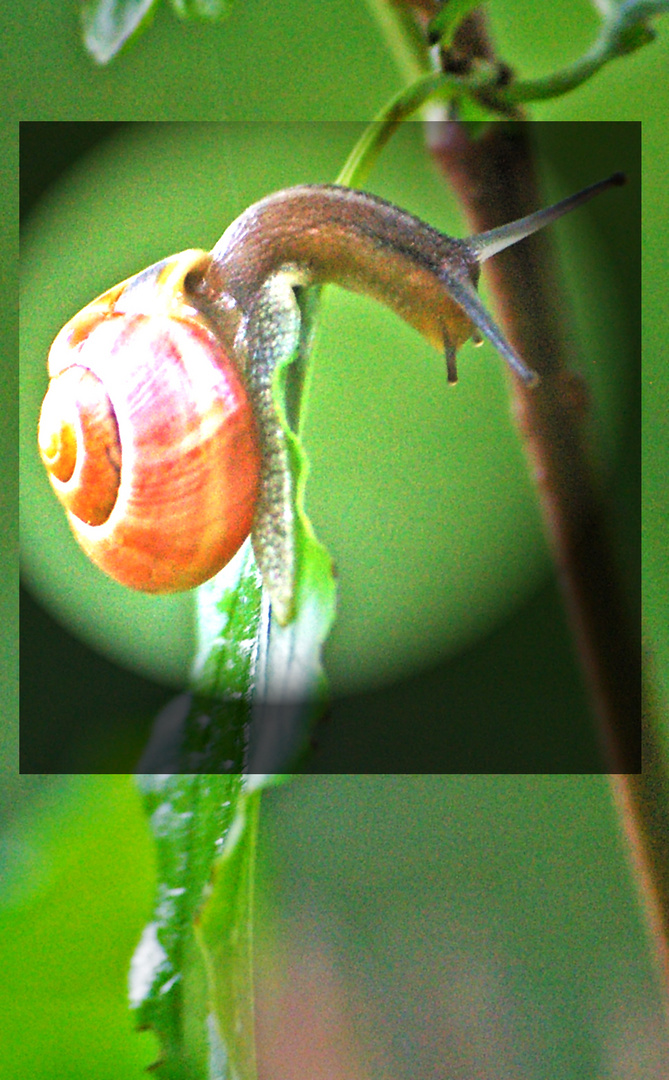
point(146, 429)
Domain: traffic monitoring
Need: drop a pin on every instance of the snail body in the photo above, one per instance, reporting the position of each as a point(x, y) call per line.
point(159, 430)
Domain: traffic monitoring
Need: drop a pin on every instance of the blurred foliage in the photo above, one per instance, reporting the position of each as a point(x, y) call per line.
point(489, 926)
point(442, 905)
point(77, 872)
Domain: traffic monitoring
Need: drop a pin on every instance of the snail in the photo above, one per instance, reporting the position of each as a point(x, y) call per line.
point(159, 429)
point(146, 429)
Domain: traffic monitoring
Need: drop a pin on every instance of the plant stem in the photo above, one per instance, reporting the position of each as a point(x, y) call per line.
point(406, 102)
point(495, 180)
point(405, 42)
point(624, 29)
point(643, 806)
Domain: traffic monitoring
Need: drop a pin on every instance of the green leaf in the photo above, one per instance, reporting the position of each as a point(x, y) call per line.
point(228, 615)
point(224, 932)
point(199, 940)
point(259, 682)
point(259, 686)
point(207, 731)
point(217, 726)
point(207, 10)
point(109, 24)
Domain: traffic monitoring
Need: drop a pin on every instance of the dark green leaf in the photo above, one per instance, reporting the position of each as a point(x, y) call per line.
point(224, 932)
point(217, 727)
point(193, 818)
point(207, 731)
point(109, 24)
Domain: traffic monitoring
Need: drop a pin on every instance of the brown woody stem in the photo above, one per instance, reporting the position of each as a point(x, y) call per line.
point(494, 178)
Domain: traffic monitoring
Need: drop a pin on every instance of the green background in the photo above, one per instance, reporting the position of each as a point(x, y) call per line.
point(515, 888)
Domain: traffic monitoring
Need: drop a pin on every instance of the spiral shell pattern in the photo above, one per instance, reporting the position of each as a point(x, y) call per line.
point(148, 435)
